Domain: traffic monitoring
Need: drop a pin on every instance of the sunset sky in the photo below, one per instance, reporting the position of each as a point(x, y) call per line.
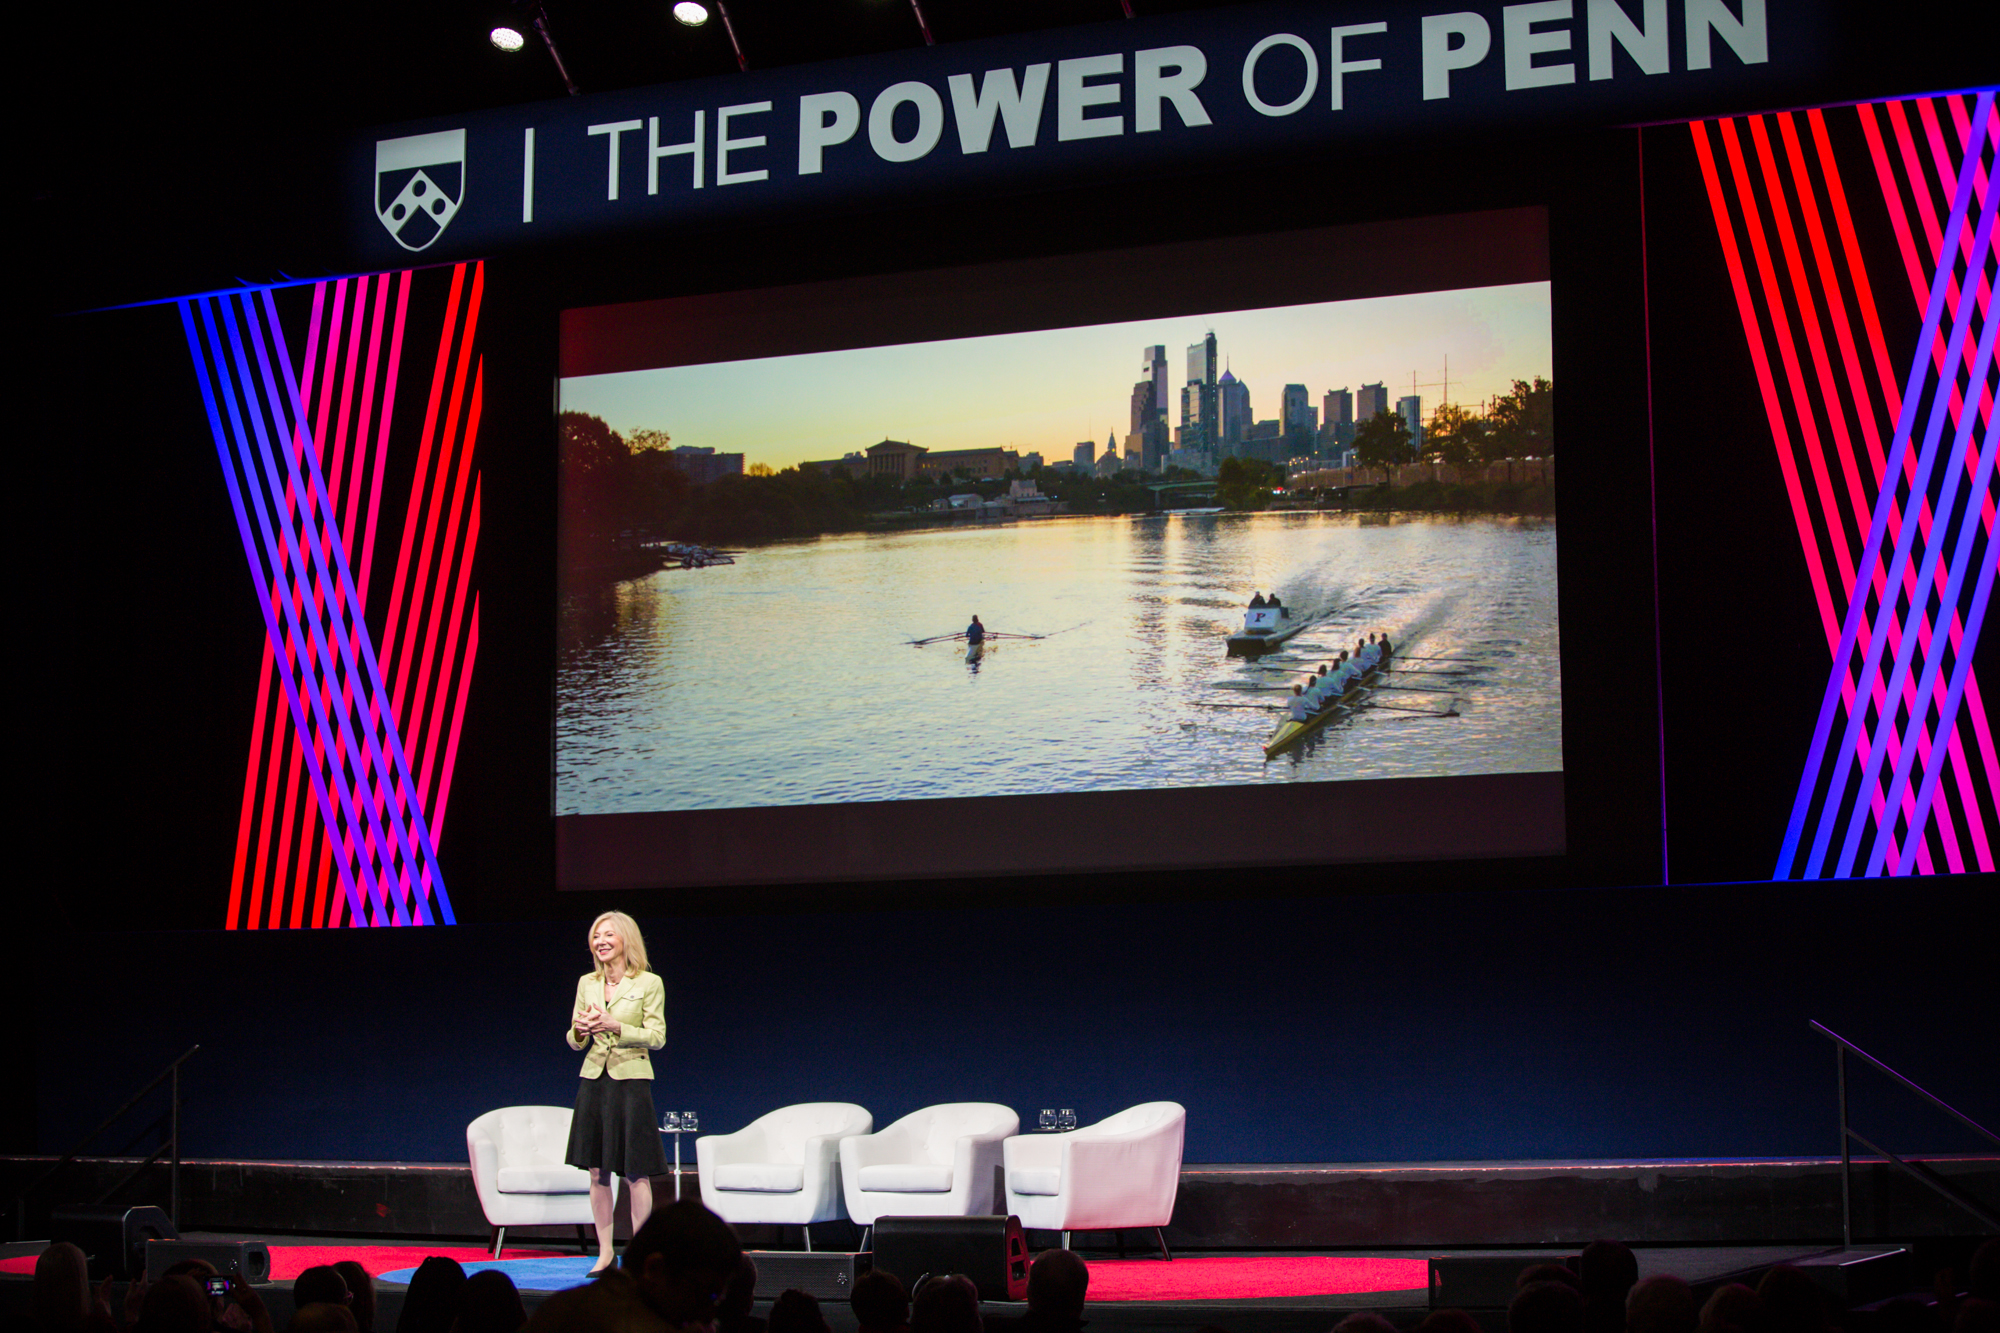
point(1047, 391)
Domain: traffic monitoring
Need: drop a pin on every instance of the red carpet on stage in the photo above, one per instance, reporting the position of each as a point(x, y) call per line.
point(1188, 1278)
point(288, 1261)
point(1230, 1278)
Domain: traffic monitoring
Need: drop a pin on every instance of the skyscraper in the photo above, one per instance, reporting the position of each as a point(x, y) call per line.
point(1373, 398)
point(1142, 405)
point(1153, 365)
point(1336, 421)
point(1151, 407)
point(1297, 412)
point(1201, 361)
point(1199, 418)
point(1411, 410)
point(1233, 400)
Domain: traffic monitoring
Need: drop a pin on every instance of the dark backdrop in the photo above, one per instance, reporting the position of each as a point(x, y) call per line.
point(1500, 1022)
point(1561, 1007)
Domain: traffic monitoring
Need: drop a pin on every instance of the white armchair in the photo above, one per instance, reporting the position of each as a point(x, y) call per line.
point(518, 1169)
point(1119, 1172)
point(781, 1168)
point(942, 1161)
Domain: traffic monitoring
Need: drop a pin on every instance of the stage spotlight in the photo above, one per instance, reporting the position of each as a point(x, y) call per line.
point(507, 39)
point(690, 13)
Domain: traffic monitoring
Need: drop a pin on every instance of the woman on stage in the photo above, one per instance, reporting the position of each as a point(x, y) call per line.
point(620, 1016)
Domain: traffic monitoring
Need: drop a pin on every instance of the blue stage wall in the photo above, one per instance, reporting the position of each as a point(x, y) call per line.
point(1483, 1025)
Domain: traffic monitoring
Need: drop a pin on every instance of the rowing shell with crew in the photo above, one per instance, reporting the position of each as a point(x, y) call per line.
point(1338, 690)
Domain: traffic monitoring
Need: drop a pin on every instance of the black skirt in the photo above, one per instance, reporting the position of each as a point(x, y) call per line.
point(614, 1128)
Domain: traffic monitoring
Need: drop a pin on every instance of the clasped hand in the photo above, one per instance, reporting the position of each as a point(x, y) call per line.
point(594, 1020)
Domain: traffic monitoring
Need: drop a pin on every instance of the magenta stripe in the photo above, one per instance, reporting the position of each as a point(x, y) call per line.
point(382, 433)
point(1968, 529)
point(457, 714)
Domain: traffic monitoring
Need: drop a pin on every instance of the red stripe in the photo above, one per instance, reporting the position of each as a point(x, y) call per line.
point(316, 539)
point(319, 885)
point(291, 816)
point(333, 488)
point(1802, 399)
point(312, 341)
point(411, 591)
point(1921, 195)
point(422, 590)
point(274, 764)
point(251, 772)
point(331, 474)
point(423, 463)
point(451, 635)
point(1899, 223)
point(435, 593)
point(382, 436)
point(363, 422)
point(1836, 317)
point(1767, 383)
point(325, 398)
point(458, 707)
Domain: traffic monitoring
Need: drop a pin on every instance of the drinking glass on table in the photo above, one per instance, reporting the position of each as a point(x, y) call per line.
point(1067, 1120)
point(688, 1121)
point(1048, 1120)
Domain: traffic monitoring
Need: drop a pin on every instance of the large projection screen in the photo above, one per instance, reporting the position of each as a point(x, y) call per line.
point(781, 719)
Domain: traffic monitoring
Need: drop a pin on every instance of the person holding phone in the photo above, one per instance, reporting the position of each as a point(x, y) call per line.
point(618, 1020)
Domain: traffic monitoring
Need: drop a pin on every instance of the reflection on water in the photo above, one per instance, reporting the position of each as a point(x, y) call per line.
point(789, 677)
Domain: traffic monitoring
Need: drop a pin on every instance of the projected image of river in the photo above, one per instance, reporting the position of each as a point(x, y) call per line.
point(789, 677)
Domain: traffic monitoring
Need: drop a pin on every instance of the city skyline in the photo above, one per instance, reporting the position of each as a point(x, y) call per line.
point(1048, 390)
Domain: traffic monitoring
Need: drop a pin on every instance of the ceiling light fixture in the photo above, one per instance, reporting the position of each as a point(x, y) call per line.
point(690, 13)
point(507, 39)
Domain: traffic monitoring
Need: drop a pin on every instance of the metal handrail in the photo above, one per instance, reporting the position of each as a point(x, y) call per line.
point(1915, 1170)
point(172, 1146)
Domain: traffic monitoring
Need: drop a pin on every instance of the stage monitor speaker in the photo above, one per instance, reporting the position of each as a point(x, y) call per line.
point(113, 1239)
point(990, 1250)
point(825, 1275)
point(1484, 1279)
point(247, 1259)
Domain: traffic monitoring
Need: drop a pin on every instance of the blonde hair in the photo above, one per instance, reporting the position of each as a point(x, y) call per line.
point(628, 930)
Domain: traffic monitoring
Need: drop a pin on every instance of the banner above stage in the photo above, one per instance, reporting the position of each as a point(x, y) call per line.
point(1134, 106)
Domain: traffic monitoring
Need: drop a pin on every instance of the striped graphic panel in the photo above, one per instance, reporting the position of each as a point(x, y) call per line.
point(1887, 454)
point(357, 723)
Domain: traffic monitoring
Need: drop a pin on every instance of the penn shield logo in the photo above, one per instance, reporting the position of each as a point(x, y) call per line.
point(419, 184)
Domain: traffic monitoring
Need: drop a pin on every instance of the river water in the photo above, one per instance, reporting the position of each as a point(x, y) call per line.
point(789, 678)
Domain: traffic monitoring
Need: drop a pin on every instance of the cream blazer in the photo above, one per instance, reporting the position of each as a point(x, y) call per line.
point(640, 1007)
